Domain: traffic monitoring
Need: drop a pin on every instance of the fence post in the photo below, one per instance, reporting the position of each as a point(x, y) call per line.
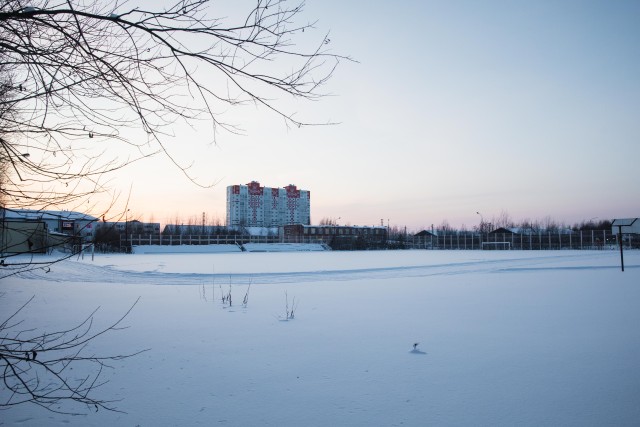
point(619, 238)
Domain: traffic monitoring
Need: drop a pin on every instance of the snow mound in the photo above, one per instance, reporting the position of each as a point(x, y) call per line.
point(248, 247)
point(283, 247)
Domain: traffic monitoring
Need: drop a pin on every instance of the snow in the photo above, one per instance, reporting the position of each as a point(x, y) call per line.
point(207, 249)
point(528, 338)
point(283, 247)
point(184, 249)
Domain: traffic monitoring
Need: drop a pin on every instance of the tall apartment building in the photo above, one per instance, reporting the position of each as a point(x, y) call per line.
point(254, 206)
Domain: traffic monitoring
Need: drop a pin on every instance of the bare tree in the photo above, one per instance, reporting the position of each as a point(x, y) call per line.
point(328, 221)
point(37, 366)
point(4, 178)
point(83, 72)
point(84, 81)
point(89, 87)
point(550, 224)
point(5, 111)
point(503, 220)
point(445, 227)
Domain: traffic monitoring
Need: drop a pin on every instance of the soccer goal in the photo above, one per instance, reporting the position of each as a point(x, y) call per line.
point(505, 246)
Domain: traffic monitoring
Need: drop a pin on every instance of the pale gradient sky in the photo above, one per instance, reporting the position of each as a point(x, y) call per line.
point(455, 107)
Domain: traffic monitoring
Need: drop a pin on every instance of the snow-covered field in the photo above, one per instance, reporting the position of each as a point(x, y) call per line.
point(507, 338)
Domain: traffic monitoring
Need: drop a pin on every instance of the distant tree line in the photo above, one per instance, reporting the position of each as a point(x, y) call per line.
point(546, 224)
point(399, 237)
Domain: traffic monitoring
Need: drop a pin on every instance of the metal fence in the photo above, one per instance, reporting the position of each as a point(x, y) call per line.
point(171, 240)
point(591, 239)
point(542, 240)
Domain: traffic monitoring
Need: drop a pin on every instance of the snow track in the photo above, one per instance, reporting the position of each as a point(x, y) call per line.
point(149, 270)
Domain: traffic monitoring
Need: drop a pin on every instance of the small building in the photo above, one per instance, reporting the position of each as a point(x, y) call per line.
point(39, 231)
point(506, 231)
point(70, 223)
point(20, 236)
point(425, 239)
point(336, 236)
point(130, 227)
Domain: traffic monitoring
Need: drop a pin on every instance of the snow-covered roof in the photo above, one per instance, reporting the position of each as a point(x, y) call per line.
point(47, 215)
point(382, 227)
point(529, 230)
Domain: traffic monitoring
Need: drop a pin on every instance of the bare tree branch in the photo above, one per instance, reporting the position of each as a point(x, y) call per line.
point(80, 73)
point(88, 87)
point(36, 367)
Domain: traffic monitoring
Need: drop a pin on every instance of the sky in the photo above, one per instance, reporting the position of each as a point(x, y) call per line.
point(454, 110)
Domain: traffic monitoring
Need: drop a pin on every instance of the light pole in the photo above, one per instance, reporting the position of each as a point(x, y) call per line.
point(481, 227)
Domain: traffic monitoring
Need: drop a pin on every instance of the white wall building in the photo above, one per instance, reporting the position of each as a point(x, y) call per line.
point(65, 222)
point(254, 206)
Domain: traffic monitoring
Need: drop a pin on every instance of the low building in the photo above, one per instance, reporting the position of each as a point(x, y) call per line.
point(505, 231)
point(71, 223)
point(130, 227)
point(20, 236)
point(336, 236)
point(425, 239)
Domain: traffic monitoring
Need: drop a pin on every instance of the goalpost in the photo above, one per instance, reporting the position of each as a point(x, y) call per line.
point(496, 246)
